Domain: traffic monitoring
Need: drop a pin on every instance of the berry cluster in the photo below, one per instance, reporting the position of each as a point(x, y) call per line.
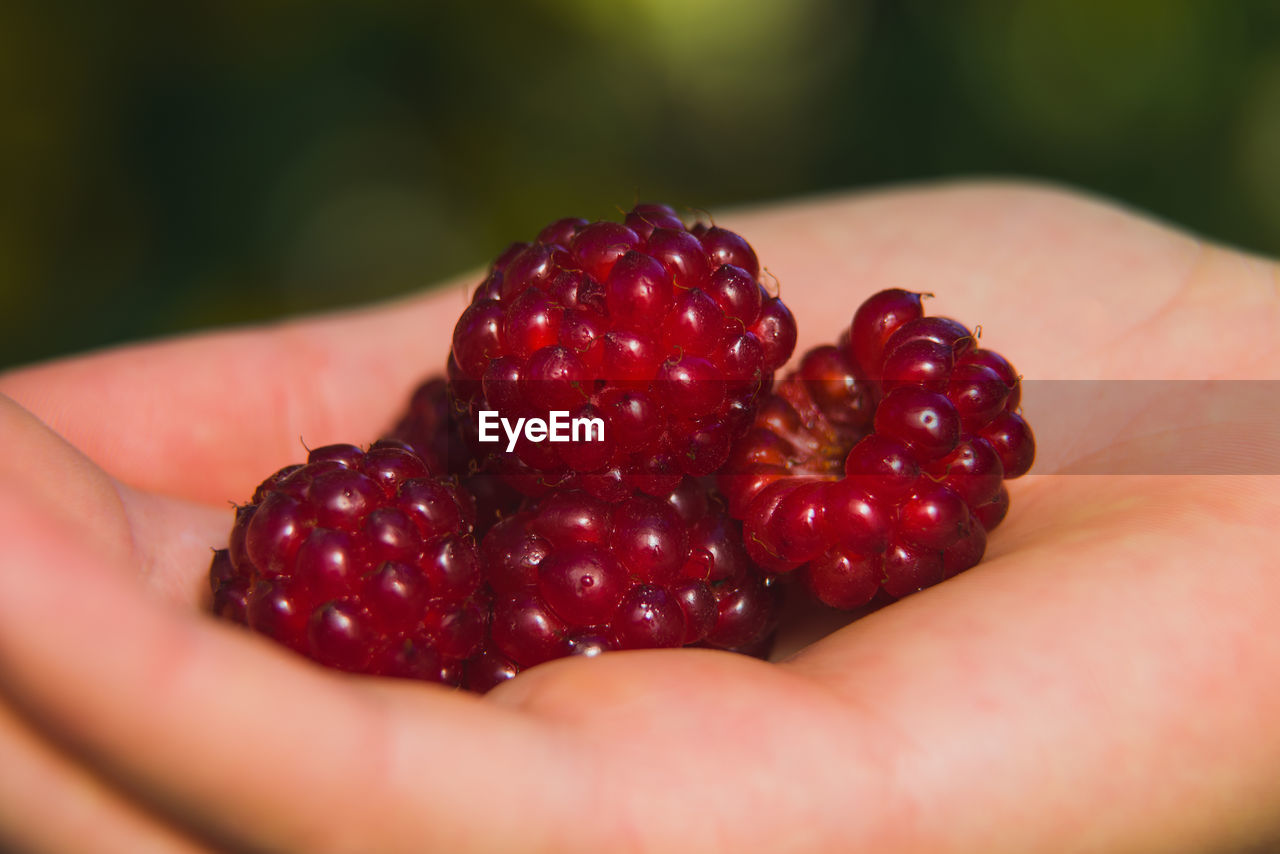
point(877, 465)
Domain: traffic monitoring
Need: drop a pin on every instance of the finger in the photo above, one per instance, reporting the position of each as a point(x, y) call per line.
point(1111, 670)
point(43, 470)
point(222, 730)
point(49, 803)
point(174, 545)
point(207, 417)
point(252, 746)
point(165, 542)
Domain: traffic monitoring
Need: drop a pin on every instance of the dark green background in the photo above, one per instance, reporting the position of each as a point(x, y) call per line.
point(168, 166)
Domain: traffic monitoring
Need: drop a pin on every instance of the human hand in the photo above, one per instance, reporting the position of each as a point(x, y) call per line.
point(1104, 681)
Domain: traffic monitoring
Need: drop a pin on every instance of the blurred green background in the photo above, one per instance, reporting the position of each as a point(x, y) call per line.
point(171, 166)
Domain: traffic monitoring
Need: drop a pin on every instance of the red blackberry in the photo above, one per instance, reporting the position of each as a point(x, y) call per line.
point(879, 463)
point(361, 560)
point(659, 336)
point(574, 575)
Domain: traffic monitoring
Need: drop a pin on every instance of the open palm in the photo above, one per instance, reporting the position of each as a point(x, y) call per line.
point(1104, 681)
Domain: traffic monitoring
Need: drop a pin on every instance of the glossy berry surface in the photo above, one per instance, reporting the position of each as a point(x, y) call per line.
point(361, 560)
point(661, 332)
point(879, 464)
point(573, 574)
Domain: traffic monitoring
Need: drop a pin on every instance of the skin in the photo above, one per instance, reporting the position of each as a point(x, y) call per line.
point(1104, 681)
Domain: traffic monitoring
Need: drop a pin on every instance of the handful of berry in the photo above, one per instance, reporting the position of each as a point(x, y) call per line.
point(455, 552)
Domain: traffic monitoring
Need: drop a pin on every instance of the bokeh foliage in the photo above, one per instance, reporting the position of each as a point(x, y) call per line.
point(170, 166)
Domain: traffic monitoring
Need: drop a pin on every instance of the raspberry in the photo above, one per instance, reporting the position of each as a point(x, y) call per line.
point(879, 464)
point(574, 575)
point(661, 332)
point(360, 560)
